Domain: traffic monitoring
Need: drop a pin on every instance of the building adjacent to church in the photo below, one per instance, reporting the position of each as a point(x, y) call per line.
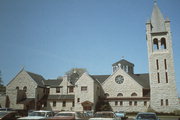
point(123, 89)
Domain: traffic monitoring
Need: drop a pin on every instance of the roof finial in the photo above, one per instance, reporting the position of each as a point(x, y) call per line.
point(22, 67)
point(122, 57)
point(155, 1)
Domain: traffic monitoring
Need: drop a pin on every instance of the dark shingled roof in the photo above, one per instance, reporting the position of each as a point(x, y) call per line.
point(123, 62)
point(53, 82)
point(37, 78)
point(142, 79)
point(100, 78)
point(61, 97)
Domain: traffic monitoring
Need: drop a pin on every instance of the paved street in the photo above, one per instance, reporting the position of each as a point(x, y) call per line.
point(170, 118)
point(160, 117)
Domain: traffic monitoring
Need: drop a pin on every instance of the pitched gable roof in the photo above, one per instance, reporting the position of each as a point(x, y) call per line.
point(37, 78)
point(53, 82)
point(142, 79)
point(100, 78)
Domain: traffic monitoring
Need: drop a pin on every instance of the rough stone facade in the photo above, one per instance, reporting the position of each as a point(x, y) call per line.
point(87, 90)
point(22, 89)
point(128, 87)
point(164, 97)
point(126, 91)
point(2, 100)
point(123, 89)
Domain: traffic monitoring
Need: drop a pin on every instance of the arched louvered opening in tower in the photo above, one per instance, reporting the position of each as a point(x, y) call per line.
point(163, 43)
point(155, 44)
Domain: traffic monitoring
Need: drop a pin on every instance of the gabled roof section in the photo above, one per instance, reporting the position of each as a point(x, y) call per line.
point(123, 62)
point(37, 78)
point(53, 82)
point(142, 79)
point(157, 19)
point(100, 78)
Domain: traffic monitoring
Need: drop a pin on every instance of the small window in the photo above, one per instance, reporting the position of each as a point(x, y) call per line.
point(64, 104)
point(157, 64)
point(78, 99)
point(121, 103)
point(119, 94)
point(134, 94)
point(73, 104)
point(167, 102)
point(165, 64)
point(17, 88)
point(116, 103)
point(25, 88)
point(135, 103)
point(71, 89)
point(145, 103)
point(106, 95)
point(58, 90)
point(158, 77)
point(54, 103)
point(84, 88)
point(130, 103)
point(162, 102)
point(166, 74)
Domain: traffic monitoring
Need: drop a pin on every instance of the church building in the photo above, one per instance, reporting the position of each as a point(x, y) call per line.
point(123, 90)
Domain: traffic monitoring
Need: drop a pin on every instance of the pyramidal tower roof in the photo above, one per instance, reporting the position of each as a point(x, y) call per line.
point(157, 19)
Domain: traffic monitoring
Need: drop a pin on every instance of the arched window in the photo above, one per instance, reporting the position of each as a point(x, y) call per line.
point(25, 88)
point(119, 94)
point(106, 95)
point(163, 43)
point(134, 94)
point(17, 88)
point(155, 44)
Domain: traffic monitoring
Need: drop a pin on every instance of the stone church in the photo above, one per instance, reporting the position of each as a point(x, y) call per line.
point(123, 90)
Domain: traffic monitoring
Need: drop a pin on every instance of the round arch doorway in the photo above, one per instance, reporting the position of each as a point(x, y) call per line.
point(87, 105)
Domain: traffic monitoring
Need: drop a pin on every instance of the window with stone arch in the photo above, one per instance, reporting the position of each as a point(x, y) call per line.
point(134, 94)
point(120, 95)
point(25, 88)
point(17, 88)
point(163, 43)
point(106, 95)
point(155, 44)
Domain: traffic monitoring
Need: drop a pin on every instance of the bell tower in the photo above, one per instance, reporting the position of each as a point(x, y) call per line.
point(164, 97)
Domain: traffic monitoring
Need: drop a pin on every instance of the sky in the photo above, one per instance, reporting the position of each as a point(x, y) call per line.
point(49, 37)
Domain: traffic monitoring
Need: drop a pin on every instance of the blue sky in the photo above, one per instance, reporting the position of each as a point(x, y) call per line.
point(49, 37)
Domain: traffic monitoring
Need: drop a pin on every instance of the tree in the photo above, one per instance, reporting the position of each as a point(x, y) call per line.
point(103, 106)
point(74, 74)
point(1, 82)
point(2, 87)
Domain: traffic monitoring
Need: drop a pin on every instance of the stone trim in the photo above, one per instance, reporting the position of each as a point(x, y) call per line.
point(127, 98)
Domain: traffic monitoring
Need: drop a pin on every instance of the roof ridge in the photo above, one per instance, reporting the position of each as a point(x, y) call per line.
point(39, 79)
point(33, 73)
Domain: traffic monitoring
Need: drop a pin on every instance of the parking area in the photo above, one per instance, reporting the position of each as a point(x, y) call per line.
point(160, 117)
